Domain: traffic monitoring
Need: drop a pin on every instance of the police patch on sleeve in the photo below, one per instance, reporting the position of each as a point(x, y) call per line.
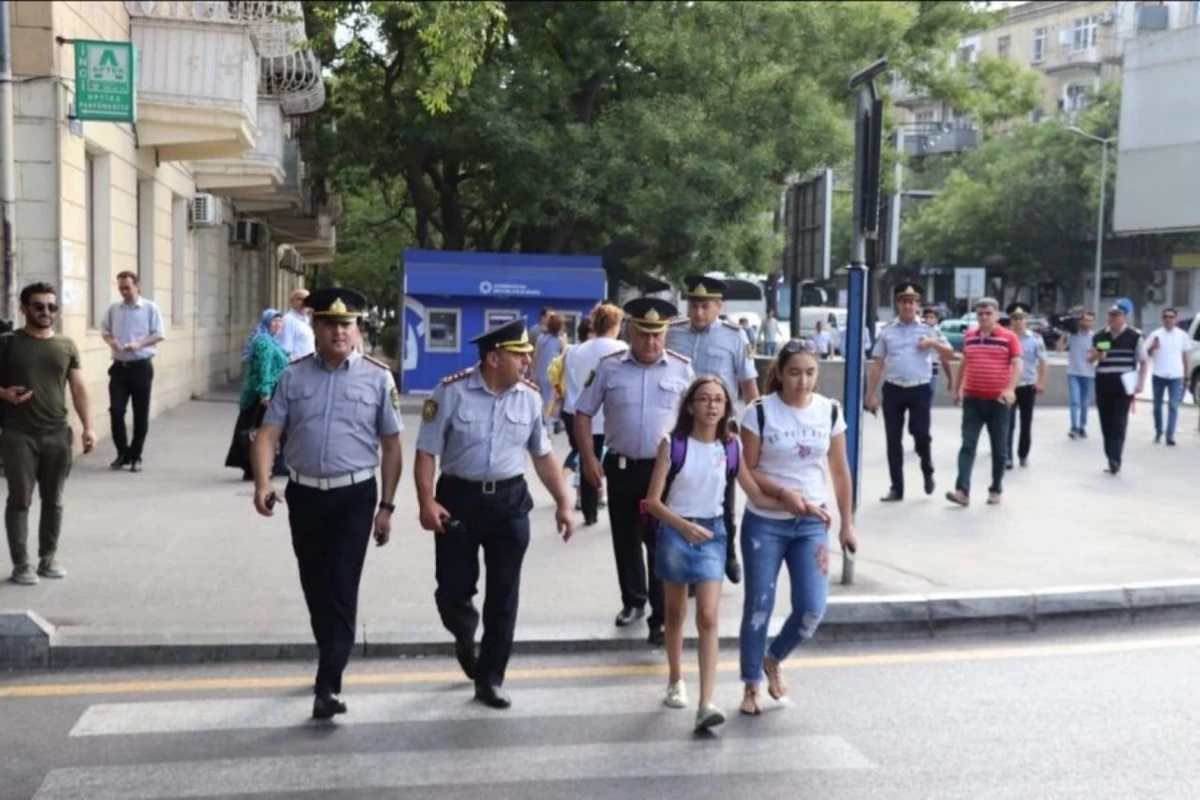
point(429, 410)
point(395, 393)
point(591, 377)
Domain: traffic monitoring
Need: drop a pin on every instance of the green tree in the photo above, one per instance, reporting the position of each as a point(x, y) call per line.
point(568, 126)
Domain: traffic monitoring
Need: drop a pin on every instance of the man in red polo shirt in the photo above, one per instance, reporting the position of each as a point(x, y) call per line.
point(985, 386)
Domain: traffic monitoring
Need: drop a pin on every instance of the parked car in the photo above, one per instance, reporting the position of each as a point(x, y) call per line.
point(953, 330)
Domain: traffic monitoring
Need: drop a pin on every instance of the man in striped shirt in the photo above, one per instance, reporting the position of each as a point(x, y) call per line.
point(985, 386)
point(1117, 352)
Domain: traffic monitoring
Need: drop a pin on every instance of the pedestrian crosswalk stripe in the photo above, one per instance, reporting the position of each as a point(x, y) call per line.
point(349, 772)
point(190, 716)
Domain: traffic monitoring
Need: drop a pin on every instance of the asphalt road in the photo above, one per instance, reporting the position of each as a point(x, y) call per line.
point(1114, 716)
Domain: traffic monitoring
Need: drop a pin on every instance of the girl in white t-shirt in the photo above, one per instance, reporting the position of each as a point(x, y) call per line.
point(790, 436)
point(691, 536)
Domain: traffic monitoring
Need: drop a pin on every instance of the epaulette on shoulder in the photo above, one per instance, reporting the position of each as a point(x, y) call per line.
point(678, 321)
point(680, 356)
point(612, 355)
point(531, 385)
point(458, 376)
point(733, 325)
point(377, 362)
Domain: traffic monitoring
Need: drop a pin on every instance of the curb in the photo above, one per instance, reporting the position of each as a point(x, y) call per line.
point(28, 641)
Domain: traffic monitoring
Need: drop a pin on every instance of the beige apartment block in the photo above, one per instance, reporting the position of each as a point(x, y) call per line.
point(206, 197)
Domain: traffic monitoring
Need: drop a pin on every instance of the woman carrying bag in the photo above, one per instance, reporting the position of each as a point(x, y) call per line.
point(265, 360)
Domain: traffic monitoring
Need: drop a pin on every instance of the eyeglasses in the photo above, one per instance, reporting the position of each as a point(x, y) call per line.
point(42, 308)
point(708, 399)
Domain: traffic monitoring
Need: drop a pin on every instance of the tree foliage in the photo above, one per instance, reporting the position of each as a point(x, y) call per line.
point(565, 127)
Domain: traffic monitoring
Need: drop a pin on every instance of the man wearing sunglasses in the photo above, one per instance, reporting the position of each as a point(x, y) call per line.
point(36, 366)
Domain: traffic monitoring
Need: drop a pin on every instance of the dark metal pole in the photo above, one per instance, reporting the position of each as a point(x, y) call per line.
point(8, 194)
point(401, 312)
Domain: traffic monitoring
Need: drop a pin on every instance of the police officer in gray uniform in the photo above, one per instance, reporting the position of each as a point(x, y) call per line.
point(639, 390)
point(480, 422)
point(717, 347)
point(340, 411)
point(903, 365)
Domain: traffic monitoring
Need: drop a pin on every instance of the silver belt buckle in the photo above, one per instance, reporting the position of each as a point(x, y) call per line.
point(489, 487)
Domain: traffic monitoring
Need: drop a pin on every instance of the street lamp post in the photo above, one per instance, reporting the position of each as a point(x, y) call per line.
point(1104, 143)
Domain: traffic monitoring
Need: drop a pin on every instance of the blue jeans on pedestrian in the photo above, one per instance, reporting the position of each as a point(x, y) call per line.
point(1081, 388)
point(1174, 389)
point(772, 348)
point(803, 543)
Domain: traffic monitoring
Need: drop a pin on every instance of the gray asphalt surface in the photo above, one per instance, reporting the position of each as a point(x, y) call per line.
point(1115, 716)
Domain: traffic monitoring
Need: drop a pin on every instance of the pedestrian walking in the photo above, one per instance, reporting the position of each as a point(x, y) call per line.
point(551, 343)
point(36, 367)
point(339, 413)
point(480, 423)
point(581, 361)
point(902, 364)
point(821, 341)
point(1081, 370)
point(794, 445)
point(771, 335)
point(1032, 383)
point(940, 362)
point(132, 329)
point(985, 387)
point(1169, 348)
point(717, 348)
point(687, 498)
point(638, 390)
point(264, 360)
point(1120, 359)
point(297, 336)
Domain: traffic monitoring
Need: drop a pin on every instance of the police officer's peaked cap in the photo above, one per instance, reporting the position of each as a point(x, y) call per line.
point(649, 314)
point(908, 289)
point(1018, 309)
point(512, 337)
point(336, 303)
point(702, 287)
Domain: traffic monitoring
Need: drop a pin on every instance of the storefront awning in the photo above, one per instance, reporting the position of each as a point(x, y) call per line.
point(503, 275)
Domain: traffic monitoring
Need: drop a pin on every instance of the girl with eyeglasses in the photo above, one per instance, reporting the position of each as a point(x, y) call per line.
point(789, 437)
point(687, 497)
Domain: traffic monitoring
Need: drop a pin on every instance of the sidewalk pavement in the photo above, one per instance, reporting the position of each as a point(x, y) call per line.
point(174, 564)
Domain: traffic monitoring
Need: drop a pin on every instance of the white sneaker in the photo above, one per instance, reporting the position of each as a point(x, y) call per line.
point(709, 717)
point(676, 695)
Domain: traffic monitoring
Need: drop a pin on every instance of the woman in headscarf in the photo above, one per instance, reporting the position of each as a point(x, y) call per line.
point(265, 360)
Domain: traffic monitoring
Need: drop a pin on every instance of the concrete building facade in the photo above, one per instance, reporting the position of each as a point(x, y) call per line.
point(205, 196)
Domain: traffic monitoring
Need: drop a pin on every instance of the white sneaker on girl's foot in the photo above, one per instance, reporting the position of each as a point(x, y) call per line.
point(676, 695)
point(709, 717)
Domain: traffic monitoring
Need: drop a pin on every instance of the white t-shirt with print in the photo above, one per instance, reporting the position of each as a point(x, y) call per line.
point(1168, 358)
point(794, 449)
point(698, 491)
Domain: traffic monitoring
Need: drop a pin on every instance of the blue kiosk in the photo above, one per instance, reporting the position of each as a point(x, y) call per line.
point(451, 297)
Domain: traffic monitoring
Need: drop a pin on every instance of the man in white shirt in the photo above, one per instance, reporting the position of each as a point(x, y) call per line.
point(578, 364)
point(1169, 348)
point(771, 334)
point(297, 335)
point(820, 340)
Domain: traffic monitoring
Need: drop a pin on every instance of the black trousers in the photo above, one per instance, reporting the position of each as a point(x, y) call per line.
point(130, 381)
point(1023, 408)
point(1113, 410)
point(499, 523)
point(638, 580)
point(913, 400)
point(330, 533)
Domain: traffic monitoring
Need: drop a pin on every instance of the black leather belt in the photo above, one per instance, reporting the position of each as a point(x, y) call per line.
point(132, 362)
point(630, 460)
point(483, 487)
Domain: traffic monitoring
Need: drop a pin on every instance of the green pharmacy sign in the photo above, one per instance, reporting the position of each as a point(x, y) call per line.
point(105, 88)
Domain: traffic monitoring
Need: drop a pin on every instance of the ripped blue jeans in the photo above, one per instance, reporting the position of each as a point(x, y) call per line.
point(803, 543)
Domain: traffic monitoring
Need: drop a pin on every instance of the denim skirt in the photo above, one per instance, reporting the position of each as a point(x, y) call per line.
point(679, 561)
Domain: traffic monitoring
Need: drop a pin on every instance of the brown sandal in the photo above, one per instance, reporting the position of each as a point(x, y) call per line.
point(776, 685)
point(750, 706)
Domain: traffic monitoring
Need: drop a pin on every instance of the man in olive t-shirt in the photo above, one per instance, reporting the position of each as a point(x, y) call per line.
point(36, 366)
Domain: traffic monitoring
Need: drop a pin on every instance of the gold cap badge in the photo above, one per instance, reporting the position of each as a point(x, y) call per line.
point(651, 316)
point(337, 307)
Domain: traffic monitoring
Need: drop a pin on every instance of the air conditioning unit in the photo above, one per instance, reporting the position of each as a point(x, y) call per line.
point(1107, 18)
point(246, 233)
point(206, 211)
point(291, 261)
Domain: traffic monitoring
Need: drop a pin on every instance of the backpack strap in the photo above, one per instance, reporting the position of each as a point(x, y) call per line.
point(762, 417)
point(678, 455)
point(833, 414)
point(732, 459)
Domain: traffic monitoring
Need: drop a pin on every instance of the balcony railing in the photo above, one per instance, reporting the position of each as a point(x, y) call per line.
point(937, 138)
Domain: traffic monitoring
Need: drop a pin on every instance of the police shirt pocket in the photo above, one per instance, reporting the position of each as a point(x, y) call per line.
point(302, 401)
point(518, 424)
point(670, 390)
point(470, 424)
point(361, 405)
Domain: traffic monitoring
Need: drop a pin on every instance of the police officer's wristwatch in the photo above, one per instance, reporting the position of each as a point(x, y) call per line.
point(388, 507)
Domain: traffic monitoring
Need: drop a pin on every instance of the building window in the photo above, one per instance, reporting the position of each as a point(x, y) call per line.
point(444, 330)
point(98, 217)
point(495, 317)
point(1196, 12)
point(179, 228)
point(1075, 97)
point(966, 55)
point(1181, 289)
point(1039, 45)
point(1003, 46)
point(925, 117)
point(145, 237)
point(1083, 33)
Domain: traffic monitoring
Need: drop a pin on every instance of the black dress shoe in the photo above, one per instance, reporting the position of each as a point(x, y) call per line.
point(493, 697)
point(733, 571)
point(929, 484)
point(326, 706)
point(656, 637)
point(464, 651)
point(119, 462)
point(135, 465)
point(628, 616)
point(892, 497)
